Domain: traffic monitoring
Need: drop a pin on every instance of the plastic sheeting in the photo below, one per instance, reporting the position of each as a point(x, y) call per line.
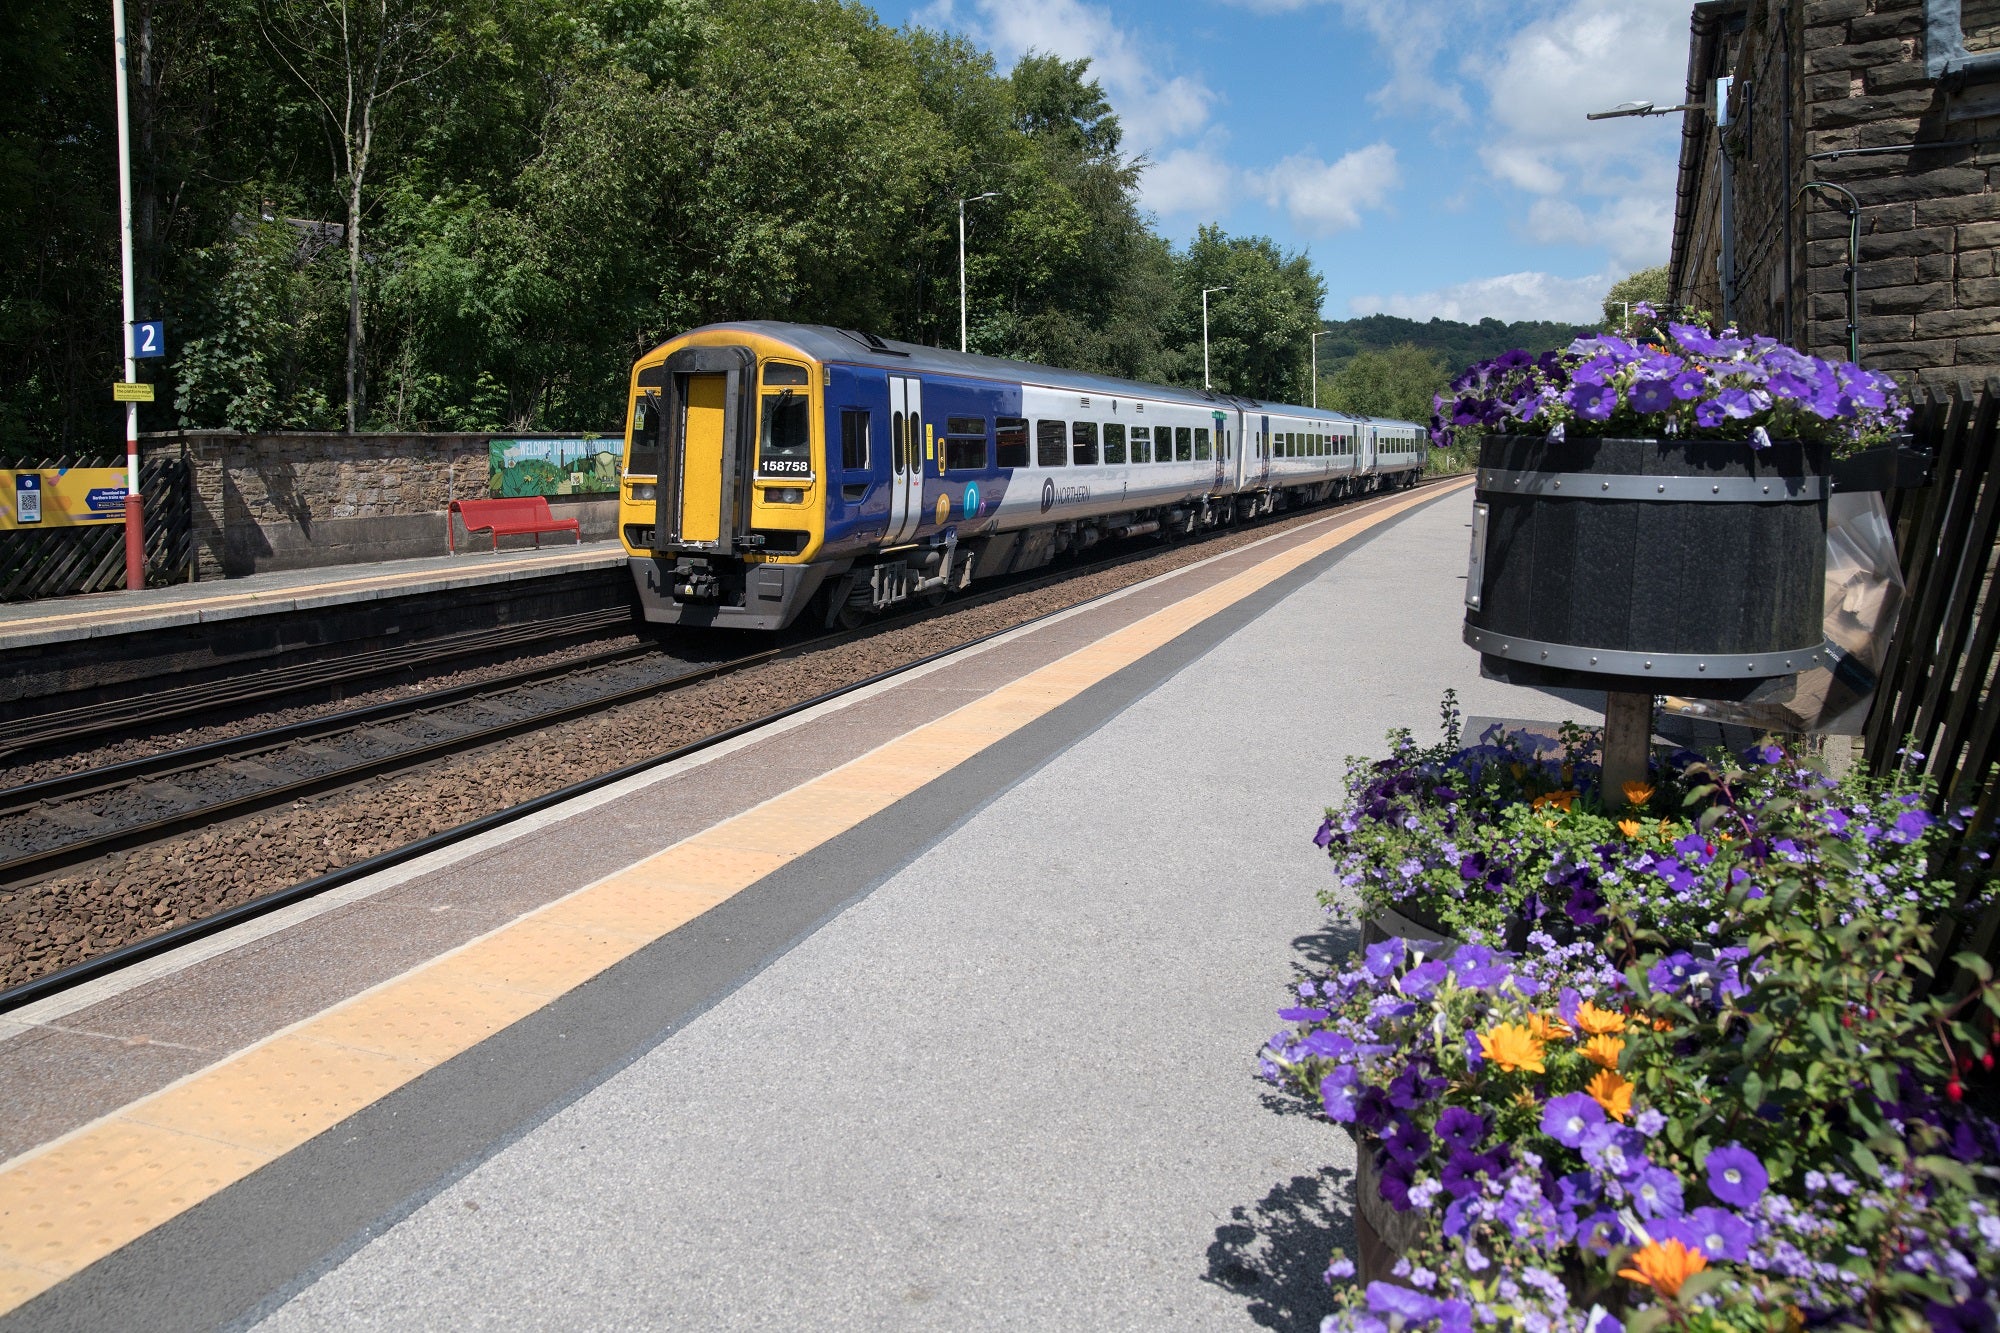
point(1864, 589)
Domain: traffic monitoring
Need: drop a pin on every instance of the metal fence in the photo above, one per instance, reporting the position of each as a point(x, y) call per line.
point(53, 562)
point(1937, 706)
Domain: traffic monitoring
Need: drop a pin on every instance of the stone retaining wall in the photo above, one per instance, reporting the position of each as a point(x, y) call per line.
point(307, 499)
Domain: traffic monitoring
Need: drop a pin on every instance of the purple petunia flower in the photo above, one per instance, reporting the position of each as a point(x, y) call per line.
point(1383, 958)
point(1688, 384)
point(1656, 1192)
point(1909, 826)
point(1649, 1122)
point(1460, 1129)
point(1592, 402)
point(1302, 1015)
point(1717, 1233)
point(1422, 979)
point(1614, 1150)
point(1336, 1094)
point(1328, 1045)
point(1325, 834)
point(1567, 1118)
point(1735, 1176)
point(1388, 1298)
point(1673, 972)
point(1339, 1270)
point(1652, 395)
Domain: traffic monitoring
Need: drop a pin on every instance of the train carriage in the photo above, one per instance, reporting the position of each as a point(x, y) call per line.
point(773, 469)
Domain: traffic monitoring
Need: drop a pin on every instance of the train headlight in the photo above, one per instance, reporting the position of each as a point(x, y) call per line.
point(645, 490)
point(784, 495)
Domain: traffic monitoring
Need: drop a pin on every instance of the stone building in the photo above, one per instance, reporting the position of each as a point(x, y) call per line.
point(1875, 122)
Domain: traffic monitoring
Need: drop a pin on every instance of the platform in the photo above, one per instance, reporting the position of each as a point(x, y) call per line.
point(934, 1006)
point(100, 615)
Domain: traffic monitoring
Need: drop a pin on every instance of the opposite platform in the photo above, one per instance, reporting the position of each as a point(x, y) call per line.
point(1072, 864)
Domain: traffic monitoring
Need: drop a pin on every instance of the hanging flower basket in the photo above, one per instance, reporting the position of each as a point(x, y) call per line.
point(1650, 515)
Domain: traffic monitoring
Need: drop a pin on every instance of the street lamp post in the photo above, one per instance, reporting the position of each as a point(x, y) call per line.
point(135, 531)
point(1204, 334)
point(990, 194)
point(1315, 347)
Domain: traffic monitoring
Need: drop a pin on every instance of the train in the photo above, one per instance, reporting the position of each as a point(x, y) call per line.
point(774, 471)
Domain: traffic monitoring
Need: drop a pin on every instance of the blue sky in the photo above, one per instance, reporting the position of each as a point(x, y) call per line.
point(1432, 155)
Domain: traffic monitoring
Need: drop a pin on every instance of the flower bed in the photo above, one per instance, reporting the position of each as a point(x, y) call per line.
point(1706, 1087)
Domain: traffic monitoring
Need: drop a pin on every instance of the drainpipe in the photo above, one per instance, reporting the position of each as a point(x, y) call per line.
point(1853, 210)
point(1785, 162)
point(1728, 210)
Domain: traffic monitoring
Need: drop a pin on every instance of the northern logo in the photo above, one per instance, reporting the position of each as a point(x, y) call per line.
point(1048, 495)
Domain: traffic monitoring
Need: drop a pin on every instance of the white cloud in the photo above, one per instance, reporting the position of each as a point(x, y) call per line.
point(1633, 227)
point(1508, 297)
point(1153, 109)
point(1193, 181)
point(1325, 197)
point(1408, 34)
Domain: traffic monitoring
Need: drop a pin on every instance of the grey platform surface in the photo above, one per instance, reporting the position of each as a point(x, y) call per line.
point(1013, 1086)
point(94, 615)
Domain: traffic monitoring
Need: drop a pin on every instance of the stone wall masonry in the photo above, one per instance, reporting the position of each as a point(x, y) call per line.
point(1930, 218)
point(310, 499)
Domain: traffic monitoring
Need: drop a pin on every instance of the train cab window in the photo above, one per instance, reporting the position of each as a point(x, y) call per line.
point(1201, 443)
point(1183, 444)
point(777, 373)
point(853, 440)
point(1051, 443)
point(1010, 434)
point(1083, 435)
point(643, 457)
point(1142, 444)
point(784, 444)
point(1114, 442)
point(965, 453)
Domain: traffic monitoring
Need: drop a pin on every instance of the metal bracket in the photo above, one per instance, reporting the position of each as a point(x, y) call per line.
point(1679, 490)
point(1617, 662)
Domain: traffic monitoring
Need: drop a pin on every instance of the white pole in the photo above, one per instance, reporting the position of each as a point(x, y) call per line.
point(961, 275)
point(135, 540)
point(1205, 382)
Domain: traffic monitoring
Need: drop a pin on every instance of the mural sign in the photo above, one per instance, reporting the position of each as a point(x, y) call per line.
point(553, 467)
point(58, 497)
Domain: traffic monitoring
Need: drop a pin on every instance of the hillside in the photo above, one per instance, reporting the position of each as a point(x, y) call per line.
point(1456, 344)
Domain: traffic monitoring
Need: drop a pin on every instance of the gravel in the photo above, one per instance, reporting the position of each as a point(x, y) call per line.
point(125, 897)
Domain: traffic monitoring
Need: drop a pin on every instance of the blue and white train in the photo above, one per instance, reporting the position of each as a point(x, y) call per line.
point(771, 468)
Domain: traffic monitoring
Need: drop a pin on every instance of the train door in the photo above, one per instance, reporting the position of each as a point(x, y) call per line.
point(705, 448)
point(1263, 451)
point(906, 458)
point(1365, 437)
point(1221, 449)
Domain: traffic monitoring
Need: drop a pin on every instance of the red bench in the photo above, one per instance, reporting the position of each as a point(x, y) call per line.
point(506, 518)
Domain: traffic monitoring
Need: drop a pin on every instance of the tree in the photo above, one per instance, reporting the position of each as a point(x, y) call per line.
point(1260, 330)
point(351, 57)
point(1648, 284)
point(1399, 383)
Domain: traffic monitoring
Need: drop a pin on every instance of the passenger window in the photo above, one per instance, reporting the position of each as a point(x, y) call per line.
point(1183, 444)
point(1083, 434)
point(1114, 442)
point(896, 441)
point(854, 440)
point(784, 372)
point(1051, 443)
point(1011, 436)
point(1201, 443)
point(965, 426)
point(1142, 444)
point(965, 453)
point(785, 443)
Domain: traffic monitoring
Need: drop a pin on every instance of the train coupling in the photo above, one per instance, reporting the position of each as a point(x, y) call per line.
point(696, 581)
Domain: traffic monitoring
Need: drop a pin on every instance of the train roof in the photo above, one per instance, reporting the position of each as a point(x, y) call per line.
point(823, 342)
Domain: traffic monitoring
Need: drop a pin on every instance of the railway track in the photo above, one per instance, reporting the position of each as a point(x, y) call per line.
point(184, 703)
point(63, 822)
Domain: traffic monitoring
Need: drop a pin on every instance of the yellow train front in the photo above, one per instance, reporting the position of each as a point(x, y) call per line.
point(771, 468)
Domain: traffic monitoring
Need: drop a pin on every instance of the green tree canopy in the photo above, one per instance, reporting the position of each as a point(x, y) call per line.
point(1399, 383)
point(1648, 284)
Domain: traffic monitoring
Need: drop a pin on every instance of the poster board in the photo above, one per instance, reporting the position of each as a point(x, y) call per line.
point(553, 467)
point(57, 497)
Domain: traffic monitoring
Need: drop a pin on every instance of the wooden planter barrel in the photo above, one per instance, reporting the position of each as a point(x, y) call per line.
point(1656, 566)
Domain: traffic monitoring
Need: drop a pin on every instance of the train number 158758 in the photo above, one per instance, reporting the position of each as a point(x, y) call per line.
point(772, 467)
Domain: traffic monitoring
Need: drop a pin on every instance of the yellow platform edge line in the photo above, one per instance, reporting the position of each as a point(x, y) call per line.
point(78, 1198)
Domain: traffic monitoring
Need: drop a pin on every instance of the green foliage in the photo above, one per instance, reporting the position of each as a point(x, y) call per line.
point(1455, 344)
point(1399, 383)
point(1648, 284)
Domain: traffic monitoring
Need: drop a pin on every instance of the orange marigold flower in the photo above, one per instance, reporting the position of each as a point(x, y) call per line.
point(1662, 1025)
point(1664, 1266)
point(1629, 827)
point(1562, 800)
point(1547, 1027)
point(1637, 793)
point(1598, 1021)
point(1513, 1047)
point(1612, 1092)
point(1604, 1051)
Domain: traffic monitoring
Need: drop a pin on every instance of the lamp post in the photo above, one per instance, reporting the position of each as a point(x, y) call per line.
point(990, 194)
point(1204, 334)
point(135, 531)
point(1315, 346)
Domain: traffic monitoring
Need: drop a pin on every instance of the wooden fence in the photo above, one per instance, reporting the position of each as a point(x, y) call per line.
point(1937, 706)
point(54, 562)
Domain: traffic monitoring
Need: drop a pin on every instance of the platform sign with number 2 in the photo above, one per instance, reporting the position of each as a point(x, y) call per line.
point(149, 338)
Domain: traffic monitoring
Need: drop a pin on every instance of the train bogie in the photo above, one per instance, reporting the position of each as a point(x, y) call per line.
point(773, 467)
